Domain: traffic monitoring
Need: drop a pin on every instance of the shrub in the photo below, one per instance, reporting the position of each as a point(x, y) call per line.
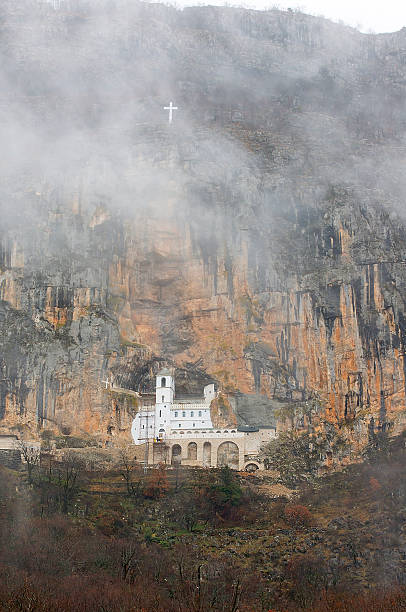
point(74, 442)
point(297, 515)
point(374, 484)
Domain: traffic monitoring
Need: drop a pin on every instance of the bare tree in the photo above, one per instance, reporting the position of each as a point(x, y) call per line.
point(128, 470)
point(31, 457)
point(68, 474)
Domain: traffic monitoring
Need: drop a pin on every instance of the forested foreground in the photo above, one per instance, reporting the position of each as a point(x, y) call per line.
point(82, 533)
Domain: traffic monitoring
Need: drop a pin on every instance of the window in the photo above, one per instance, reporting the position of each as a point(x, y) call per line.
point(183, 413)
point(160, 413)
point(143, 426)
point(194, 424)
point(176, 414)
point(179, 424)
point(200, 413)
point(192, 451)
point(163, 398)
point(163, 382)
point(191, 413)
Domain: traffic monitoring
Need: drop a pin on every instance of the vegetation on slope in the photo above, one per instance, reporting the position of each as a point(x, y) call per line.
point(114, 538)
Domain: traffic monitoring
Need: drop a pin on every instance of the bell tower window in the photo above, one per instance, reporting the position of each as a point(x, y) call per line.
point(163, 382)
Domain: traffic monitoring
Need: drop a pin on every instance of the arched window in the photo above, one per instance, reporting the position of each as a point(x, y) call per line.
point(176, 454)
point(183, 413)
point(200, 413)
point(191, 413)
point(192, 451)
point(163, 398)
point(228, 454)
point(163, 382)
point(207, 454)
point(176, 414)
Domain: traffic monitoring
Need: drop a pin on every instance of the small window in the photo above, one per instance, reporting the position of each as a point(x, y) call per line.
point(194, 424)
point(200, 413)
point(163, 398)
point(143, 426)
point(183, 413)
point(160, 413)
point(179, 425)
point(191, 413)
point(163, 382)
point(176, 414)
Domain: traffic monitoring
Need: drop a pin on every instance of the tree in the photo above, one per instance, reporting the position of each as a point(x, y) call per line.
point(296, 456)
point(378, 447)
point(157, 485)
point(219, 493)
point(31, 456)
point(128, 469)
point(309, 577)
point(67, 480)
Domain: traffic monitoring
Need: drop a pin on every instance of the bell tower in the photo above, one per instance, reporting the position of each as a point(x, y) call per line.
point(165, 393)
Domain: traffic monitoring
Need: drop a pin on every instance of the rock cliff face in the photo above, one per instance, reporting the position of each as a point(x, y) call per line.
point(258, 240)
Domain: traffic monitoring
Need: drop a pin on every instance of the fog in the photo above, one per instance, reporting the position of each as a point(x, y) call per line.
point(84, 85)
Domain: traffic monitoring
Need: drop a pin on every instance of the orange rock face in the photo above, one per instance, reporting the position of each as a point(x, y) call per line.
point(160, 299)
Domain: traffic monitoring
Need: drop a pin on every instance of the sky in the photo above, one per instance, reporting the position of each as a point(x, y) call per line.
point(366, 15)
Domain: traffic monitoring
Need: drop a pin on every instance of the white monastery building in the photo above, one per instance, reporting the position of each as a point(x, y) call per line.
point(181, 431)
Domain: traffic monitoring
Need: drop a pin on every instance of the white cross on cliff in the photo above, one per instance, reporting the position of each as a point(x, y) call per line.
point(170, 108)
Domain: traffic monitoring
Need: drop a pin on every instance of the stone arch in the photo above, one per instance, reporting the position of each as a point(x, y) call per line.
point(192, 451)
point(228, 454)
point(176, 457)
point(206, 454)
point(251, 466)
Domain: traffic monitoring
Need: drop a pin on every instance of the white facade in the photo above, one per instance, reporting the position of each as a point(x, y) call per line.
point(159, 421)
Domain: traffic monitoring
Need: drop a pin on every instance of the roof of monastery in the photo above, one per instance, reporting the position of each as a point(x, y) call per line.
point(253, 428)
